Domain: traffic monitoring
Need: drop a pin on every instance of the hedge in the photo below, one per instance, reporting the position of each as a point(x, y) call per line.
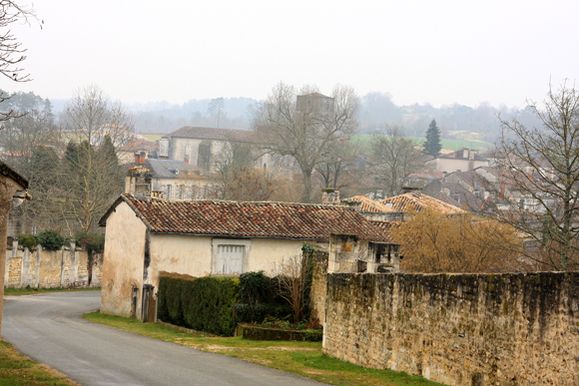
point(50, 240)
point(203, 304)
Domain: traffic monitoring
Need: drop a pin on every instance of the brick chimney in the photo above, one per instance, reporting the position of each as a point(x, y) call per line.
point(330, 197)
point(140, 157)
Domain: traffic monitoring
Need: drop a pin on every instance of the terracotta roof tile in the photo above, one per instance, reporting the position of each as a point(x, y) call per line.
point(367, 205)
point(276, 220)
point(417, 202)
point(235, 135)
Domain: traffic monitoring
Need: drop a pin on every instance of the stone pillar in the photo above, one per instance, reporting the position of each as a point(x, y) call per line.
point(73, 263)
point(37, 275)
point(25, 268)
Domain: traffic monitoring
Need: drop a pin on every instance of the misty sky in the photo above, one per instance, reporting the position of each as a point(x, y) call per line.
point(418, 51)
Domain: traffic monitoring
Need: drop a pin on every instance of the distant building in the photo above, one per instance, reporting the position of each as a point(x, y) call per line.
point(202, 147)
point(169, 179)
point(463, 160)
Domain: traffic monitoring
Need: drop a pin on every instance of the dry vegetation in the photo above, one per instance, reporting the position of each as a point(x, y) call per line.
point(433, 242)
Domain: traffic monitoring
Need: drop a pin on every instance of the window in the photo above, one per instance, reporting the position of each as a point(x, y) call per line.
point(229, 258)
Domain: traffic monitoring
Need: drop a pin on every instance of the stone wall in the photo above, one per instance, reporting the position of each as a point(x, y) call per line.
point(318, 290)
point(49, 269)
point(478, 329)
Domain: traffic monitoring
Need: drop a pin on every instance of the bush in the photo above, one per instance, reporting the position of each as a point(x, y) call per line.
point(203, 304)
point(28, 241)
point(256, 288)
point(92, 242)
point(257, 313)
point(50, 240)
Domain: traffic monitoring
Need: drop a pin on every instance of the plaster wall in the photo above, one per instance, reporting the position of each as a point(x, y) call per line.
point(123, 261)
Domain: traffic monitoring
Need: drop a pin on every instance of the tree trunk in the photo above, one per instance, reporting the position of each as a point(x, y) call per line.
point(307, 180)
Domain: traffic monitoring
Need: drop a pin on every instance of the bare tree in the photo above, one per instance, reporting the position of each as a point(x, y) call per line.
point(393, 158)
point(94, 177)
point(92, 117)
point(305, 126)
point(215, 110)
point(12, 54)
point(542, 163)
point(337, 163)
point(32, 129)
point(238, 176)
point(293, 277)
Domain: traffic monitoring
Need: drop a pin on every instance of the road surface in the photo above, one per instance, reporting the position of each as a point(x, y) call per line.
point(49, 329)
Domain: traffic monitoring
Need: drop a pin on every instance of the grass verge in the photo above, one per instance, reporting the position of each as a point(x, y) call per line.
point(16, 369)
point(302, 358)
point(36, 291)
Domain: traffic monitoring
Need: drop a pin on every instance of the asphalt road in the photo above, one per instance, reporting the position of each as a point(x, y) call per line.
point(49, 329)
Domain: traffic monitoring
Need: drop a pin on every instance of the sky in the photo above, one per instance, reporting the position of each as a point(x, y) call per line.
point(439, 52)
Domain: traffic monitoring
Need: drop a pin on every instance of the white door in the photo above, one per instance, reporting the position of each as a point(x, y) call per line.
point(230, 259)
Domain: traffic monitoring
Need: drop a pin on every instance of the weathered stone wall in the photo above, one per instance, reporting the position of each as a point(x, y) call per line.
point(484, 329)
point(318, 289)
point(66, 267)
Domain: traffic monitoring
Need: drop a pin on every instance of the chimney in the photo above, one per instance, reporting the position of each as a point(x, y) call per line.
point(330, 197)
point(140, 157)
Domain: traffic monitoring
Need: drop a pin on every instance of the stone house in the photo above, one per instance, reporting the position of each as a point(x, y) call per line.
point(463, 160)
point(400, 207)
point(169, 179)
point(145, 237)
point(203, 147)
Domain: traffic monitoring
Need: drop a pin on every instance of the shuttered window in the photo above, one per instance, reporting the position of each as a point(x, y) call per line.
point(229, 259)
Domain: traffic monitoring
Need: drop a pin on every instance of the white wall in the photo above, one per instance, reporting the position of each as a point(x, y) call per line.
point(194, 255)
point(123, 261)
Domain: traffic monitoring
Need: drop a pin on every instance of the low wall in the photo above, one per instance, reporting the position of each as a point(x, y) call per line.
point(458, 329)
point(66, 267)
point(318, 290)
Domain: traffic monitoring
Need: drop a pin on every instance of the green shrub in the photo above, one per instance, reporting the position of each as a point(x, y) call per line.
point(50, 240)
point(203, 304)
point(28, 241)
point(257, 313)
point(92, 242)
point(256, 288)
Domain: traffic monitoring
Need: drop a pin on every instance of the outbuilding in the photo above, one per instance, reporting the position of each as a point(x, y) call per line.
point(145, 237)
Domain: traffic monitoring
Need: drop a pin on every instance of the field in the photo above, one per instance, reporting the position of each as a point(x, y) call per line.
point(447, 143)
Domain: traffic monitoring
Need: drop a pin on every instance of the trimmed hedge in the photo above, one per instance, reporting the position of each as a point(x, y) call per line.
point(257, 313)
point(203, 304)
point(50, 240)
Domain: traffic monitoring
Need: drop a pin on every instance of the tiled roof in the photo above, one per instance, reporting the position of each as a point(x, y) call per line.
point(417, 202)
point(234, 135)
point(367, 205)
point(168, 168)
point(274, 220)
point(6, 171)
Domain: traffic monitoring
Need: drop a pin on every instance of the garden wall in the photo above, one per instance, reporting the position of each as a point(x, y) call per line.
point(66, 267)
point(477, 329)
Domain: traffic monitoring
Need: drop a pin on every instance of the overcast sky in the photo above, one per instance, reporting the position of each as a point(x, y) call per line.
point(441, 52)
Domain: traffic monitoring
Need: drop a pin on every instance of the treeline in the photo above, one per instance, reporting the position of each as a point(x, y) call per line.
point(72, 167)
point(377, 112)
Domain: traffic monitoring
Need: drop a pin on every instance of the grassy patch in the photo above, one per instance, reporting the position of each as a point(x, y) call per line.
point(36, 291)
point(303, 358)
point(16, 369)
point(447, 143)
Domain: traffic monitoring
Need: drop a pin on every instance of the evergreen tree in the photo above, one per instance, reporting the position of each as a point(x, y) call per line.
point(432, 145)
